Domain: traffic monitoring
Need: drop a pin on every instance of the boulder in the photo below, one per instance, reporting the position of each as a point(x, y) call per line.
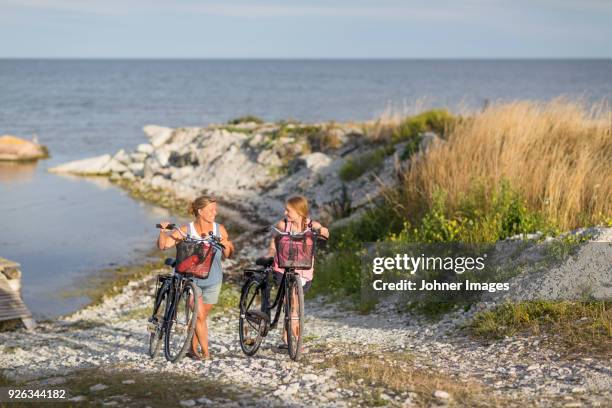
point(317, 161)
point(114, 166)
point(16, 149)
point(428, 140)
point(158, 135)
point(145, 148)
point(122, 157)
point(94, 166)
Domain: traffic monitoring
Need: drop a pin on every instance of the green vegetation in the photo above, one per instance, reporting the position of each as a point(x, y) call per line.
point(577, 326)
point(515, 168)
point(245, 119)
point(479, 217)
point(355, 167)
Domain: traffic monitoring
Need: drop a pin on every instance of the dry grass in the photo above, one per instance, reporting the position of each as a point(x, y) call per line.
point(557, 155)
point(577, 327)
point(397, 372)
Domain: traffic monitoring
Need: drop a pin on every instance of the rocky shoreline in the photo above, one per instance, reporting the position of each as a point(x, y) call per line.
point(388, 357)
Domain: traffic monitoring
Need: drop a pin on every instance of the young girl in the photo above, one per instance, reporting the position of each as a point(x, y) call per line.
point(204, 209)
point(296, 220)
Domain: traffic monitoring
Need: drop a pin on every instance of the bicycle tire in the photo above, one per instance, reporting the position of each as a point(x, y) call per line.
point(251, 318)
point(155, 338)
point(181, 323)
point(294, 342)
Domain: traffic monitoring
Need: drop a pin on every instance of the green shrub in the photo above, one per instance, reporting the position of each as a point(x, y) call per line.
point(245, 119)
point(438, 121)
point(481, 217)
point(355, 167)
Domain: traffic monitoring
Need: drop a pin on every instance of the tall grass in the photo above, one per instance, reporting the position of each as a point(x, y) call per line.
point(557, 156)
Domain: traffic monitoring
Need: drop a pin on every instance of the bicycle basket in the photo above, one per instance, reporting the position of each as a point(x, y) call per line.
point(194, 258)
point(295, 251)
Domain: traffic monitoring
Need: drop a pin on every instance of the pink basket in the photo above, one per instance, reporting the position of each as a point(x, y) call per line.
point(295, 251)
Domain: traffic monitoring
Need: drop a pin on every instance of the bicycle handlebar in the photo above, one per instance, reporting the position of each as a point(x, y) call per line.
point(210, 237)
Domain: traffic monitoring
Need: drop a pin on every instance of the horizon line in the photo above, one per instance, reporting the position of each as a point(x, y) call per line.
point(310, 58)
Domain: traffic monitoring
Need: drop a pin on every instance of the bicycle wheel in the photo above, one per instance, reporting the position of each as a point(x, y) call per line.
point(252, 325)
point(294, 317)
point(157, 333)
point(181, 326)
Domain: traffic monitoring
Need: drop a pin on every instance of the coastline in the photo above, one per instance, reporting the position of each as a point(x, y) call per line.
point(353, 359)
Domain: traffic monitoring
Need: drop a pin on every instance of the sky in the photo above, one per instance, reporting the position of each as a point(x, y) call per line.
point(305, 29)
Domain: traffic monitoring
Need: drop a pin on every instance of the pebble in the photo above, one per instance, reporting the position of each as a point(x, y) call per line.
point(187, 403)
point(98, 387)
point(128, 382)
point(441, 394)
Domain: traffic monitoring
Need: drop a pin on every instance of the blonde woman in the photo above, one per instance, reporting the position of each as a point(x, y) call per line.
point(204, 209)
point(296, 220)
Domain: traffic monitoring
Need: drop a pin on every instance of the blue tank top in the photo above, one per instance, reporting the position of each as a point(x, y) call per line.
point(215, 276)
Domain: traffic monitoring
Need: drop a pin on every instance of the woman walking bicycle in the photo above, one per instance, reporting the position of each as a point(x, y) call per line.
point(204, 210)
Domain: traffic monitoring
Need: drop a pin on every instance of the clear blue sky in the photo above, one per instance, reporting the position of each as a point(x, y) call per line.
point(306, 29)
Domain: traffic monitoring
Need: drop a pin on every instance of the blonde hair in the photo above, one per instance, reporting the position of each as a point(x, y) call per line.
point(200, 202)
point(300, 205)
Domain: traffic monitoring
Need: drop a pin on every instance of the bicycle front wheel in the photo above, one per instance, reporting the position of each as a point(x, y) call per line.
point(157, 322)
point(253, 321)
point(181, 326)
point(294, 316)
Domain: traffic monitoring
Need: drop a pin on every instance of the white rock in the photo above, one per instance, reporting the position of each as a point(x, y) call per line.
point(78, 398)
point(188, 403)
point(310, 377)
point(98, 387)
point(115, 166)
point(428, 141)
point(138, 157)
point(87, 167)
point(145, 148)
point(137, 169)
point(158, 135)
point(128, 382)
point(441, 394)
point(162, 157)
point(316, 161)
point(204, 400)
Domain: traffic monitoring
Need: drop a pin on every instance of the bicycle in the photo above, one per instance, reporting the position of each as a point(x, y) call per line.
point(175, 321)
point(255, 308)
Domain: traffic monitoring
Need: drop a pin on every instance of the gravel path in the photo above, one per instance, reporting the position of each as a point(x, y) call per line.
point(113, 336)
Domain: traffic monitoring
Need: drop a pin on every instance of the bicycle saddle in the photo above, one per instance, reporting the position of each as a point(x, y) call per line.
point(265, 262)
point(170, 262)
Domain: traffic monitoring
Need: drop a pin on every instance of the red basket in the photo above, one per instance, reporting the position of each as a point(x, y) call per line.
point(194, 258)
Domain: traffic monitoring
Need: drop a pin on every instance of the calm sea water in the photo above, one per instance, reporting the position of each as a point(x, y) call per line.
point(64, 229)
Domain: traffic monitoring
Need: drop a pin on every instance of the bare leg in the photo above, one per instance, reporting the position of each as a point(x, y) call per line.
point(201, 331)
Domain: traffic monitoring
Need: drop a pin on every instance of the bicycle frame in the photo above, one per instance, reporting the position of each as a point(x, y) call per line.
point(278, 300)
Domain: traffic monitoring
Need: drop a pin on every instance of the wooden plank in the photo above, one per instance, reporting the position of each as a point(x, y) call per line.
point(11, 305)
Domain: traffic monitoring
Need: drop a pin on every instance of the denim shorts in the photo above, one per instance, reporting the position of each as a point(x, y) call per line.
point(210, 294)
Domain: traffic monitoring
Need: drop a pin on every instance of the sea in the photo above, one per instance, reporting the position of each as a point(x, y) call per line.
point(67, 231)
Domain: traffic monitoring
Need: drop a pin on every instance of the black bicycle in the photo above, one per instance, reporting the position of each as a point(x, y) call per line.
point(175, 308)
point(295, 252)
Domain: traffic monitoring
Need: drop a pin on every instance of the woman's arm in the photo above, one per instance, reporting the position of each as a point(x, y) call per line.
point(272, 247)
point(322, 230)
point(229, 245)
point(168, 240)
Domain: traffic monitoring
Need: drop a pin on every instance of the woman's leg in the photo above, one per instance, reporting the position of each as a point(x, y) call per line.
point(201, 331)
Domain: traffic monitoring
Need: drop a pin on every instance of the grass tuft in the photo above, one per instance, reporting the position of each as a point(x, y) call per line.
point(576, 326)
